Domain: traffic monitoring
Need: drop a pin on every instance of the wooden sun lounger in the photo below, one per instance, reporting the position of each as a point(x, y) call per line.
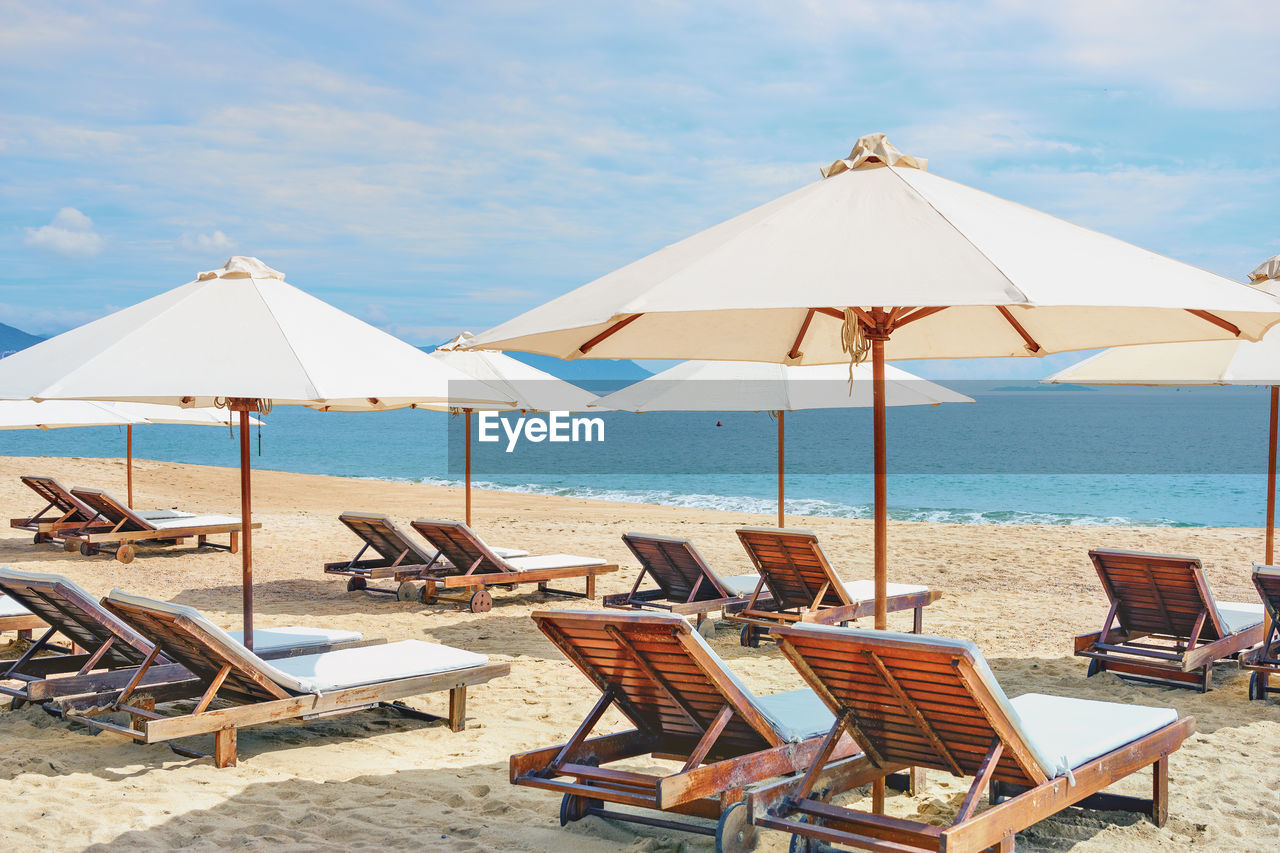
point(803, 586)
point(1164, 626)
point(1264, 661)
point(911, 700)
point(304, 687)
point(474, 567)
point(686, 583)
point(401, 556)
point(122, 526)
point(14, 617)
point(62, 511)
point(686, 706)
point(104, 652)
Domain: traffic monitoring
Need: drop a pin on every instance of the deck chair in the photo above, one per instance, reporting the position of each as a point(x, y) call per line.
point(401, 556)
point(98, 653)
point(14, 617)
point(303, 687)
point(686, 582)
point(1264, 661)
point(122, 526)
point(804, 587)
point(686, 706)
point(62, 510)
point(911, 700)
point(474, 567)
point(1164, 626)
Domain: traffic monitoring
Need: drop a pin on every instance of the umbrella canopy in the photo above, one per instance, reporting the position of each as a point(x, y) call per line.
point(750, 386)
point(238, 337)
point(527, 388)
point(1204, 363)
point(882, 259)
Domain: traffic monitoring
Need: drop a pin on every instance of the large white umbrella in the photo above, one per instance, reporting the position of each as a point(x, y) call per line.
point(238, 338)
point(527, 388)
point(883, 259)
point(1204, 363)
point(62, 414)
point(752, 386)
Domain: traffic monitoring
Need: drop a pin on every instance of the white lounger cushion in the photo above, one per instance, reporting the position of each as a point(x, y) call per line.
point(154, 515)
point(551, 561)
point(373, 664)
point(185, 521)
point(1239, 616)
point(9, 607)
point(295, 637)
point(741, 584)
point(507, 553)
point(796, 714)
point(865, 590)
point(1075, 731)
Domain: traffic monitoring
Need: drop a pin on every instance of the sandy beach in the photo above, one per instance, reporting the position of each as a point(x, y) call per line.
point(373, 780)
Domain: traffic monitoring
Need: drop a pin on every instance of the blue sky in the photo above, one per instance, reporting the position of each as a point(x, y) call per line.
point(434, 167)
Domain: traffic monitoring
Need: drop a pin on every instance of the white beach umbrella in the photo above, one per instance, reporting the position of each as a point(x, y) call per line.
point(61, 414)
point(528, 389)
point(883, 259)
point(752, 386)
point(240, 338)
point(1203, 363)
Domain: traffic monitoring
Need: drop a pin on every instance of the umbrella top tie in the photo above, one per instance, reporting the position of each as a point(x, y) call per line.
point(241, 267)
point(871, 151)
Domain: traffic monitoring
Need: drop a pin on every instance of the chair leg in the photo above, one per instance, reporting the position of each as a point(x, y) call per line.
point(224, 747)
point(591, 587)
point(917, 621)
point(1206, 679)
point(1160, 791)
point(458, 709)
point(877, 796)
point(235, 543)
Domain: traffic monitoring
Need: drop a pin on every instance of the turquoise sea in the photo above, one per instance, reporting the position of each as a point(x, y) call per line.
point(1022, 453)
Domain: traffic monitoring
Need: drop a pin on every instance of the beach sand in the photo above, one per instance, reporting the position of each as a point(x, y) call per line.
point(375, 781)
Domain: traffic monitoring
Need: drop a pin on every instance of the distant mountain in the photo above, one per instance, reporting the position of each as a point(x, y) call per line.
point(12, 340)
point(601, 375)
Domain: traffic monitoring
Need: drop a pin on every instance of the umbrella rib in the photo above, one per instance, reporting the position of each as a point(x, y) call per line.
point(1030, 342)
point(1215, 320)
point(804, 327)
point(609, 332)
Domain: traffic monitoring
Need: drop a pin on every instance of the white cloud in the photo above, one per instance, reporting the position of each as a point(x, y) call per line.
point(207, 243)
point(71, 233)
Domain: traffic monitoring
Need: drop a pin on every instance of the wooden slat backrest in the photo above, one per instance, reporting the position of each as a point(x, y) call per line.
point(55, 493)
point(793, 566)
point(1267, 581)
point(184, 643)
point(863, 673)
point(112, 510)
point(1158, 593)
point(78, 618)
point(385, 536)
point(667, 644)
point(460, 546)
point(675, 566)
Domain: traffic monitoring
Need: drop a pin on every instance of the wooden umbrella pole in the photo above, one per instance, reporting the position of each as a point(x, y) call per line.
point(246, 532)
point(128, 459)
point(881, 484)
point(782, 454)
point(1271, 476)
point(467, 413)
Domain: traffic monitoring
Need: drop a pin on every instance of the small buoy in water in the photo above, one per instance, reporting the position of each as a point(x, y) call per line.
point(719, 424)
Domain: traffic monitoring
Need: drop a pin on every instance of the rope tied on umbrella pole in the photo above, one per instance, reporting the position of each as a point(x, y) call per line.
point(854, 341)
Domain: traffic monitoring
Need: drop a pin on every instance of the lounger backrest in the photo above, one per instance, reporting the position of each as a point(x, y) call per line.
point(55, 493)
point(793, 566)
point(676, 567)
point(185, 636)
point(915, 699)
point(112, 510)
point(386, 537)
point(461, 546)
point(76, 614)
point(663, 674)
point(1158, 593)
point(1267, 580)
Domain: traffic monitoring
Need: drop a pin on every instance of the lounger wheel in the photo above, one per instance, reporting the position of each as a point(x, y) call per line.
point(427, 595)
point(354, 584)
point(70, 546)
point(735, 834)
point(1095, 667)
point(126, 553)
point(707, 628)
point(574, 807)
point(481, 601)
point(407, 591)
point(1257, 688)
point(88, 549)
point(41, 538)
point(750, 638)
